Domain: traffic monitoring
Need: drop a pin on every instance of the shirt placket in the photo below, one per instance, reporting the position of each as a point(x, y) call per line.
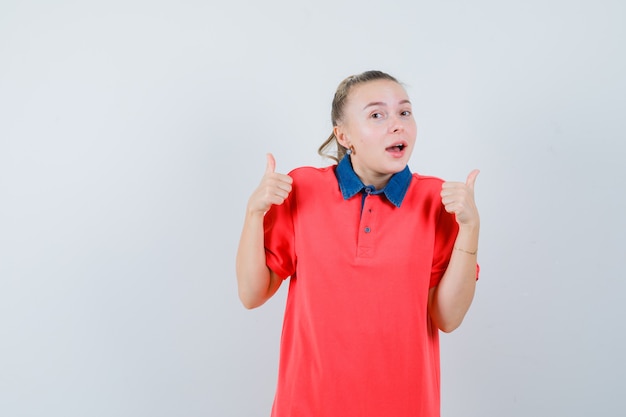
point(367, 227)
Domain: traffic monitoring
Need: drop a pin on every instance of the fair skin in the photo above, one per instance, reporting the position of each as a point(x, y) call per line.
point(255, 281)
point(379, 127)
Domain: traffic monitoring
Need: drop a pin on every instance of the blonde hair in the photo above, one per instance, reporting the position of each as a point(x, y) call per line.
point(331, 148)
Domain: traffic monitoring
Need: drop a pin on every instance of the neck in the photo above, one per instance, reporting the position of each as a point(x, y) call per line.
point(378, 181)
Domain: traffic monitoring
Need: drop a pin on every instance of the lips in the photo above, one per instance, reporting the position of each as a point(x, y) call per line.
point(397, 147)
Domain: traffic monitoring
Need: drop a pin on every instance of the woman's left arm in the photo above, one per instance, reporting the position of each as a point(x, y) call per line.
point(450, 300)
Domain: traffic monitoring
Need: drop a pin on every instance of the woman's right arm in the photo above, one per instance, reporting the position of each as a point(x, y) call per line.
point(256, 282)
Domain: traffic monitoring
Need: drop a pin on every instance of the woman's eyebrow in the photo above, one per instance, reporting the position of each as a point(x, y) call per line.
point(375, 103)
point(382, 103)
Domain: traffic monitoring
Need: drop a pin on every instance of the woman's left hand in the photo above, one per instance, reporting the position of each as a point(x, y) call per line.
point(458, 198)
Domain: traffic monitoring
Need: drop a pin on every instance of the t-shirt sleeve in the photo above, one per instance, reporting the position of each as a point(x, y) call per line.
point(279, 238)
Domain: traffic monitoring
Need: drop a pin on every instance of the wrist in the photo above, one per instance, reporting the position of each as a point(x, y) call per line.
point(255, 213)
point(469, 252)
point(469, 227)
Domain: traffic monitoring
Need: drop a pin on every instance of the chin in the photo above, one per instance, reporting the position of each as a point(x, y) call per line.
point(399, 163)
point(395, 168)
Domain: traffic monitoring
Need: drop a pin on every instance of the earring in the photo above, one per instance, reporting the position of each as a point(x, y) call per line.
point(348, 151)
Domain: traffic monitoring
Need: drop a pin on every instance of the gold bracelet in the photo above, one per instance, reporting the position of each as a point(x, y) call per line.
point(466, 251)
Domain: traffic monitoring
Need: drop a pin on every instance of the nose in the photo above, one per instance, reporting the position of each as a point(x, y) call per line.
point(396, 125)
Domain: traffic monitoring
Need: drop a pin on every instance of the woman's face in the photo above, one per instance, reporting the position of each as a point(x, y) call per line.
point(379, 127)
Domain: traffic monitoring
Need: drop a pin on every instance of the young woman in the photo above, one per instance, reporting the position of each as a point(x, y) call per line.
point(380, 259)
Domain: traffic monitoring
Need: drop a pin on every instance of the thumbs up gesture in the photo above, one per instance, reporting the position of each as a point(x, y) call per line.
point(273, 189)
point(458, 198)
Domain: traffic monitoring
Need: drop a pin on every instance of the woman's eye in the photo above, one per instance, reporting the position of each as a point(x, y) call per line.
point(406, 113)
point(377, 115)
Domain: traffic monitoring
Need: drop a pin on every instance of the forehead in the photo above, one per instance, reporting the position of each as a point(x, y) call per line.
point(384, 91)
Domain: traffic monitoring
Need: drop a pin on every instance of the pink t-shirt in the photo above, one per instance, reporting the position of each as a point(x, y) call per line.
point(357, 339)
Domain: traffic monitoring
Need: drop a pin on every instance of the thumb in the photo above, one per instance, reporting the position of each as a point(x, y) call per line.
point(471, 178)
point(271, 164)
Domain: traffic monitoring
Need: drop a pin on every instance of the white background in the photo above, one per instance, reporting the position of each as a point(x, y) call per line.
point(132, 133)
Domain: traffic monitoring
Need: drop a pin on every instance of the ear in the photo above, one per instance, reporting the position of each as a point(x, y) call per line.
point(342, 136)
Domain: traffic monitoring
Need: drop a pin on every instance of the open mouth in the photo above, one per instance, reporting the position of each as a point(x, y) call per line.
point(399, 147)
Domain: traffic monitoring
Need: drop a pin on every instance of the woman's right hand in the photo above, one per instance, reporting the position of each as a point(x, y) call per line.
point(256, 283)
point(273, 189)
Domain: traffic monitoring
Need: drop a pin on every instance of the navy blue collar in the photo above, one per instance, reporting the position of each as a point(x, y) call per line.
point(350, 184)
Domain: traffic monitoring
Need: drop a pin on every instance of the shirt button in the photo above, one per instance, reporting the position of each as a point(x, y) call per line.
point(367, 230)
